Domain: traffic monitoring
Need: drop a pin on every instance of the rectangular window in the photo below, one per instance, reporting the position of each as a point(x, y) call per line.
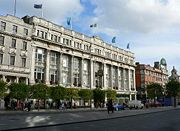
point(25, 31)
point(53, 58)
point(23, 62)
point(1, 40)
point(24, 45)
point(37, 32)
point(42, 34)
point(14, 29)
point(13, 44)
point(55, 38)
point(59, 39)
point(12, 60)
point(45, 35)
point(39, 56)
point(51, 36)
point(1, 58)
point(39, 75)
point(3, 26)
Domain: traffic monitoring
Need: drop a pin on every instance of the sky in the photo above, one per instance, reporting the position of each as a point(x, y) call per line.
point(152, 27)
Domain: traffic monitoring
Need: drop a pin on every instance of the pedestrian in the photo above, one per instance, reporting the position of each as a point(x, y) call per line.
point(29, 106)
point(110, 106)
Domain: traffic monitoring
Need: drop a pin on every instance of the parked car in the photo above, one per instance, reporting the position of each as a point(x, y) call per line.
point(153, 104)
point(118, 107)
point(135, 104)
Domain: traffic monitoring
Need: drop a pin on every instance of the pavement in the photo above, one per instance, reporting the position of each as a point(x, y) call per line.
point(16, 120)
point(45, 111)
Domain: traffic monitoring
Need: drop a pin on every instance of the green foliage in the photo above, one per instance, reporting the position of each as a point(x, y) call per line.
point(99, 95)
point(3, 89)
point(19, 91)
point(154, 90)
point(173, 88)
point(71, 93)
point(57, 93)
point(40, 91)
point(111, 94)
point(85, 94)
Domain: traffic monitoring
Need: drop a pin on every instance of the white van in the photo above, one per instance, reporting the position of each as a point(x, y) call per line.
point(135, 104)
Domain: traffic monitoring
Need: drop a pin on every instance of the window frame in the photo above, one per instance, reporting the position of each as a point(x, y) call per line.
point(13, 43)
point(2, 44)
point(15, 28)
point(12, 63)
point(3, 27)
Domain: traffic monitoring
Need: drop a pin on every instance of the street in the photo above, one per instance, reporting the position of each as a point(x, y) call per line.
point(74, 120)
point(162, 121)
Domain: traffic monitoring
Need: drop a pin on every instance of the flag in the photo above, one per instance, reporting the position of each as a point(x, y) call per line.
point(93, 25)
point(128, 46)
point(69, 21)
point(114, 39)
point(38, 6)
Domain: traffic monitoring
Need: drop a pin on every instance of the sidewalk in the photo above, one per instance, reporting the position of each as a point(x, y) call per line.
point(44, 111)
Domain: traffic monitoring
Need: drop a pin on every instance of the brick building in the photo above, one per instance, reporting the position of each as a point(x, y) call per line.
point(146, 74)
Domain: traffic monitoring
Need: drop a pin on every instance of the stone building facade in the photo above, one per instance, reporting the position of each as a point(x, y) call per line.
point(15, 49)
point(56, 55)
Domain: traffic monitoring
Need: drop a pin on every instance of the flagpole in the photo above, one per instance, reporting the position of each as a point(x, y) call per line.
point(71, 23)
point(14, 7)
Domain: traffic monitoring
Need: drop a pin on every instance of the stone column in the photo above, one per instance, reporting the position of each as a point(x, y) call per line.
point(47, 67)
point(134, 83)
point(130, 97)
point(111, 76)
point(118, 73)
point(27, 81)
point(17, 79)
point(32, 66)
point(60, 68)
point(71, 71)
point(135, 96)
point(104, 76)
point(129, 79)
point(124, 76)
point(4, 78)
point(91, 74)
point(81, 73)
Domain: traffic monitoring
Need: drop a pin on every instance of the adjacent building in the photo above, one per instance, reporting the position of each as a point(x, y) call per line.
point(174, 75)
point(146, 74)
point(34, 50)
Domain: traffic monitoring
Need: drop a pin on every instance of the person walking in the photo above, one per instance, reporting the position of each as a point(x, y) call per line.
point(29, 106)
point(110, 106)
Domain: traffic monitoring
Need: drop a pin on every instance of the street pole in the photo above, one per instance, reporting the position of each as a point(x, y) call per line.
point(14, 7)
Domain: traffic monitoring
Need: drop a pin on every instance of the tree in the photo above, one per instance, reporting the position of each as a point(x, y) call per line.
point(111, 94)
point(71, 93)
point(39, 92)
point(173, 89)
point(57, 93)
point(99, 97)
point(3, 89)
point(19, 91)
point(85, 94)
point(154, 90)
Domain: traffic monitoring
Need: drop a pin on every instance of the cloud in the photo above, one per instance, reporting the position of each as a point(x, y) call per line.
point(141, 16)
point(54, 10)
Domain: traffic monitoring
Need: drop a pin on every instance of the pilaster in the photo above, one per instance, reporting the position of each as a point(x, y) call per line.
point(47, 67)
point(32, 81)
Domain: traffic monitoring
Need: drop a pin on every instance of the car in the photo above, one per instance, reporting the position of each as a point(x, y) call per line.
point(118, 107)
point(135, 104)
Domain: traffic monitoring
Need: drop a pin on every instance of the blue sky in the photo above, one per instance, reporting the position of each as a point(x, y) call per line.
point(151, 26)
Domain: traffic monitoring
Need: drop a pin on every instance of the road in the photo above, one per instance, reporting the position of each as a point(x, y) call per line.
point(92, 120)
point(162, 121)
